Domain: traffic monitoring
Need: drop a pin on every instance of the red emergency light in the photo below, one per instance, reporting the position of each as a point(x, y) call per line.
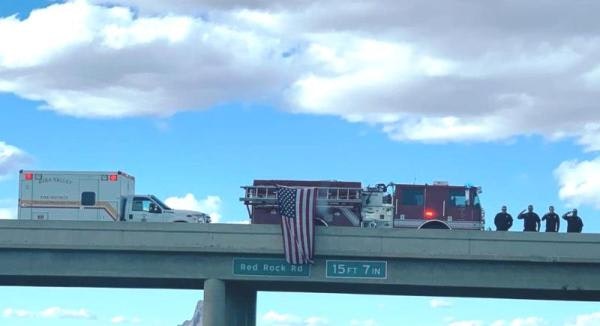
point(429, 214)
point(112, 177)
point(28, 176)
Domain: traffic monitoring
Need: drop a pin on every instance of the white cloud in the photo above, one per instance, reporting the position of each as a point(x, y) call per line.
point(592, 319)
point(8, 213)
point(238, 222)
point(8, 209)
point(275, 318)
point(51, 312)
point(366, 322)
point(578, 182)
point(440, 303)
point(466, 323)
point(125, 320)
point(19, 313)
point(112, 62)
point(415, 78)
point(57, 312)
point(527, 321)
point(210, 205)
point(278, 318)
point(12, 159)
point(315, 321)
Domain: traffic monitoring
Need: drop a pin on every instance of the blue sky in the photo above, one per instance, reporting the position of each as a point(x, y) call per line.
point(196, 100)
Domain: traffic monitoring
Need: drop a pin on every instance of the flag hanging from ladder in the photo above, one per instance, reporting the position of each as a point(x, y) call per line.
point(297, 209)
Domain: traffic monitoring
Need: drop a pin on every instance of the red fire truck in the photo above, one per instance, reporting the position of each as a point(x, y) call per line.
point(341, 203)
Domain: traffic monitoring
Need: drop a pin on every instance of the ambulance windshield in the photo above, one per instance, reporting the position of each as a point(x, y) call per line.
point(160, 203)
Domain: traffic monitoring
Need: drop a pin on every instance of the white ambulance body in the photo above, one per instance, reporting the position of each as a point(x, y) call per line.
point(92, 196)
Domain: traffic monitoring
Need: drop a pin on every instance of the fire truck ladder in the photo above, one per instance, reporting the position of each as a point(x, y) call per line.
point(350, 215)
point(342, 198)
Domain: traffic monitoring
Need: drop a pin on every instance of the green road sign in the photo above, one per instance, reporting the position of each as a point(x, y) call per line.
point(268, 267)
point(356, 269)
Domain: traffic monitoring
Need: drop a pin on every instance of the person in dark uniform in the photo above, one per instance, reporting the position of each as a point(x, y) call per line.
point(552, 220)
point(503, 220)
point(531, 221)
point(574, 222)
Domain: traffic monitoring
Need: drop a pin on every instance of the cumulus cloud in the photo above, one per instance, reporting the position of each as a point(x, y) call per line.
point(591, 319)
point(526, 321)
point(238, 222)
point(125, 320)
point(315, 321)
point(275, 317)
point(51, 312)
point(8, 213)
point(578, 182)
point(98, 61)
point(466, 323)
point(478, 72)
point(210, 205)
point(8, 209)
point(281, 319)
point(12, 159)
point(366, 322)
point(18, 313)
point(440, 303)
point(58, 312)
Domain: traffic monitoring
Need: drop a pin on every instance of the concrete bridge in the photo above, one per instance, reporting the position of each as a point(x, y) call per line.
point(232, 262)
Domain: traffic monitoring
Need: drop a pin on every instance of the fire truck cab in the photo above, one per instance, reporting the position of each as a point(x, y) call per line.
point(437, 206)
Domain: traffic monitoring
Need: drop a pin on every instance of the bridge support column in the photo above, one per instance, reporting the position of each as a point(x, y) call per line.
point(213, 309)
point(228, 304)
point(241, 305)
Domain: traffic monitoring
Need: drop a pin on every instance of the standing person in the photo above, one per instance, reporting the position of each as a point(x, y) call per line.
point(531, 221)
point(503, 220)
point(574, 222)
point(552, 220)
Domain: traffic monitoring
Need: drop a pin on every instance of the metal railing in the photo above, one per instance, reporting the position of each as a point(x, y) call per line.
point(267, 195)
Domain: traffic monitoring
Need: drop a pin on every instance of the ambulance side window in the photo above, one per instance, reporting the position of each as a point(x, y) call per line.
point(141, 204)
point(137, 204)
point(88, 198)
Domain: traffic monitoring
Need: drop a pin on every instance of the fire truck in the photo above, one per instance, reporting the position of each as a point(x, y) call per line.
point(341, 203)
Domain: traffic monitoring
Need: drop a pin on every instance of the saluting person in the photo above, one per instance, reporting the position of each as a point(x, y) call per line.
point(531, 221)
point(552, 220)
point(574, 222)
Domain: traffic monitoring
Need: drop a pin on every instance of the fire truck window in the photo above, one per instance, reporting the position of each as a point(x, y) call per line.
point(88, 198)
point(476, 202)
point(458, 198)
point(413, 197)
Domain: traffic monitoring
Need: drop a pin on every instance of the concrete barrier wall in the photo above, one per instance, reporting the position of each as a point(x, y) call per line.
point(428, 262)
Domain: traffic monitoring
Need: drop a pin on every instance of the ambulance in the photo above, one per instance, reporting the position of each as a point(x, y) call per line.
point(93, 196)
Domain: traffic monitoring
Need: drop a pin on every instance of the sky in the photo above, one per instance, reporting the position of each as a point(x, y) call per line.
point(198, 98)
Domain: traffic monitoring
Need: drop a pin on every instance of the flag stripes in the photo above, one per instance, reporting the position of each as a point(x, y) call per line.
point(297, 207)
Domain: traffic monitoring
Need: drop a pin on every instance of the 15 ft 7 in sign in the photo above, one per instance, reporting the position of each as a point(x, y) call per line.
point(356, 269)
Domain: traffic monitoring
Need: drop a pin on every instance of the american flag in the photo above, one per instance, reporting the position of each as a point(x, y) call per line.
point(297, 207)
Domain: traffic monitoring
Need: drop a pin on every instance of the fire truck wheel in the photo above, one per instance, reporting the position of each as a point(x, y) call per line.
point(321, 222)
point(435, 224)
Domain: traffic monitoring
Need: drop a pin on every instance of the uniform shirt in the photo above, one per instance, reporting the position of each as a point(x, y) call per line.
point(503, 221)
point(574, 223)
point(552, 222)
point(532, 221)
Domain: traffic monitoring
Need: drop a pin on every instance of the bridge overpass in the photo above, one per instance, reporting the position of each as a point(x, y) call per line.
point(232, 262)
